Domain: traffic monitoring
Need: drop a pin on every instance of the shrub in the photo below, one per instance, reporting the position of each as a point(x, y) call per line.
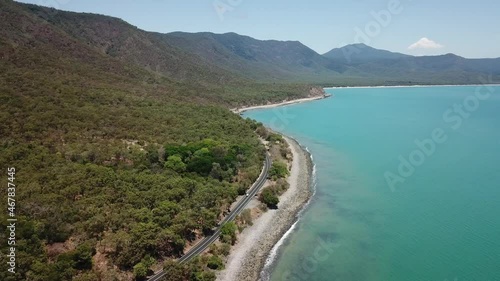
point(228, 232)
point(225, 249)
point(274, 138)
point(269, 197)
point(278, 170)
point(215, 262)
point(140, 271)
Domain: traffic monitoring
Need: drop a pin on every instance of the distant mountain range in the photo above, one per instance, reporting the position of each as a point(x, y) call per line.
point(356, 64)
point(269, 60)
point(225, 60)
point(360, 53)
point(397, 67)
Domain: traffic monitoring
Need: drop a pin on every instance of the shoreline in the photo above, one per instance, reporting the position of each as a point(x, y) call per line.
point(258, 244)
point(409, 86)
point(327, 95)
point(283, 103)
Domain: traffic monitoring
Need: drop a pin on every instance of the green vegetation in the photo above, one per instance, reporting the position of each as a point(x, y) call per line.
point(228, 233)
point(278, 170)
point(195, 270)
point(142, 269)
point(175, 163)
point(246, 217)
point(269, 197)
point(215, 262)
point(272, 137)
point(120, 163)
point(221, 249)
point(115, 163)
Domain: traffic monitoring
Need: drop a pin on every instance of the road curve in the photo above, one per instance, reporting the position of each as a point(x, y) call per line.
point(203, 244)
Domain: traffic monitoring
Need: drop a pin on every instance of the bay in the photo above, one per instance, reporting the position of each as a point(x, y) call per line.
point(436, 218)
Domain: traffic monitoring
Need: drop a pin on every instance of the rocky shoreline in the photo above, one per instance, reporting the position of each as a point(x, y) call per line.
point(249, 255)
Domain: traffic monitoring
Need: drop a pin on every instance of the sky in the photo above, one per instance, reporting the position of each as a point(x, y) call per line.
point(419, 27)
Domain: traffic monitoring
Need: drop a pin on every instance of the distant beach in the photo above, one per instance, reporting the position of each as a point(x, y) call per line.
point(283, 103)
point(409, 86)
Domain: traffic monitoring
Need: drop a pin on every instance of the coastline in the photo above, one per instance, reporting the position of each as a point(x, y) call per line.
point(256, 244)
point(409, 86)
point(283, 103)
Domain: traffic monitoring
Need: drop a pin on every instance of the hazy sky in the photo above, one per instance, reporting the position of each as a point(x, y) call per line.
point(464, 27)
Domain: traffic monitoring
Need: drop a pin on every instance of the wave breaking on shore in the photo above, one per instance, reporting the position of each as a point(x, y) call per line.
point(260, 243)
point(275, 251)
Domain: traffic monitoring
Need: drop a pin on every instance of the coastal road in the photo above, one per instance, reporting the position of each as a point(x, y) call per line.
point(207, 241)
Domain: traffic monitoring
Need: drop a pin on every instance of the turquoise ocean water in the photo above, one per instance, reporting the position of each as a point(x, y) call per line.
point(408, 185)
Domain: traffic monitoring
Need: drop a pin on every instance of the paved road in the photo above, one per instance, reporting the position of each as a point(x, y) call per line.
point(203, 244)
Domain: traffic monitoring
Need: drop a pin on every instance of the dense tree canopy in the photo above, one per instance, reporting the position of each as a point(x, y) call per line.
point(103, 169)
point(118, 167)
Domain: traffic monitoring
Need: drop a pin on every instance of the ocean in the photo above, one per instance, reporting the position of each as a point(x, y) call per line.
point(407, 185)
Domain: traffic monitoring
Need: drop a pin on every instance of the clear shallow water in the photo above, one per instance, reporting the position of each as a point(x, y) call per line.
point(441, 223)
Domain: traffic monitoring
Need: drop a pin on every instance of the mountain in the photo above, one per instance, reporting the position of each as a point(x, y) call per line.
point(116, 38)
point(267, 60)
point(357, 64)
point(229, 62)
point(361, 53)
point(396, 68)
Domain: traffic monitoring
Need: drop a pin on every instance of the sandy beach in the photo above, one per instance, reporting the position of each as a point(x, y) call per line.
point(410, 86)
point(248, 256)
point(243, 109)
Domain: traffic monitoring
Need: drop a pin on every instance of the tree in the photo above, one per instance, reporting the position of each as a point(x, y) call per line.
point(224, 249)
point(217, 172)
point(153, 155)
point(228, 232)
point(140, 271)
point(269, 198)
point(215, 262)
point(262, 131)
point(246, 217)
point(201, 162)
point(278, 170)
point(165, 212)
point(175, 163)
point(176, 271)
point(168, 243)
point(203, 276)
point(274, 137)
point(82, 256)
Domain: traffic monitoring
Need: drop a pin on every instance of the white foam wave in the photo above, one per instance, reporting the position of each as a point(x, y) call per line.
point(271, 258)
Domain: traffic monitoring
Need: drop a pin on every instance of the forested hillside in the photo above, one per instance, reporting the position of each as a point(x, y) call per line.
point(268, 60)
point(118, 166)
point(124, 147)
